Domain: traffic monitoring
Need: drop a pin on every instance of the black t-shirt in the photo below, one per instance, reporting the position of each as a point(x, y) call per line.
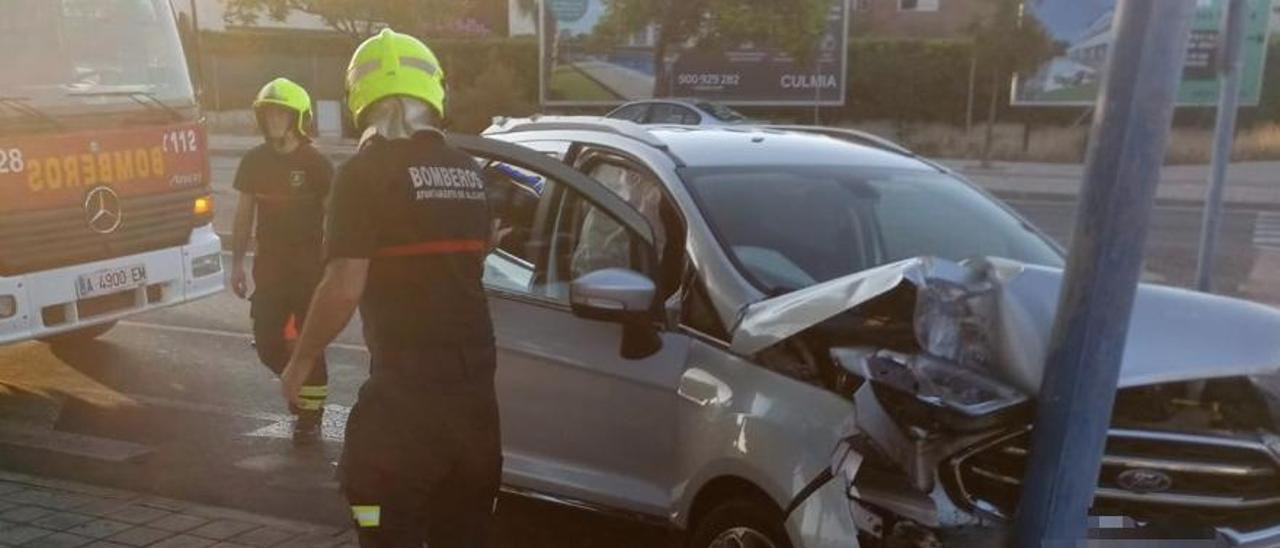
point(290, 191)
point(417, 208)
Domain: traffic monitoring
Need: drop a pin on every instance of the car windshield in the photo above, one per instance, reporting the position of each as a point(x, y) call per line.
point(72, 57)
point(722, 113)
point(790, 227)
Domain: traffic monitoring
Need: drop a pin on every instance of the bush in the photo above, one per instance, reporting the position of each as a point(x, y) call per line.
point(911, 81)
point(496, 89)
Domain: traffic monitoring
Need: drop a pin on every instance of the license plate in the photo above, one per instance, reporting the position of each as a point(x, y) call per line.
point(111, 280)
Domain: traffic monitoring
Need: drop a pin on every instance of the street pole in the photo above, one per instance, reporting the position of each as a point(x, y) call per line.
point(817, 89)
point(1130, 130)
point(973, 85)
point(1230, 42)
point(198, 55)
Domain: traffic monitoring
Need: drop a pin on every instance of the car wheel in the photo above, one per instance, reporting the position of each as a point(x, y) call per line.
point(740, 523)
point(79, 336)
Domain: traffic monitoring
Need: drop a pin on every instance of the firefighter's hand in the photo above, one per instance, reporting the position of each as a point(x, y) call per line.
point(498, 235)
point(291, 380)
point(239, 283)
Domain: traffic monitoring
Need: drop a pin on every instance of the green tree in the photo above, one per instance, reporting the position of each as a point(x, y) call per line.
point(1007, 43)
point(792, 25)
point(356, 18)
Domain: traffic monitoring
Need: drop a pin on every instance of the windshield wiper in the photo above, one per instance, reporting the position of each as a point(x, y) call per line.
point(144, 98)
point(20, 105)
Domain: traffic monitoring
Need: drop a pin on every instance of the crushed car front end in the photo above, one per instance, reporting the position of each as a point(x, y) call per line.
point(943, 361)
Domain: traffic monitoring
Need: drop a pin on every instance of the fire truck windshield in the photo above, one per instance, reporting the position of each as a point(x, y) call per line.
point(77, 62)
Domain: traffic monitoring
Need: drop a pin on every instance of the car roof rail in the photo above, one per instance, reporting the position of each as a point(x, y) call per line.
point(625, 128)
point(848, 134)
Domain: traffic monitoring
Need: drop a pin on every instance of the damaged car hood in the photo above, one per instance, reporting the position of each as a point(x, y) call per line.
point(1174, 335)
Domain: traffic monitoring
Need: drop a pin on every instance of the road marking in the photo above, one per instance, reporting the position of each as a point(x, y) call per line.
point(280, 427)
point(1266, 231)
point(335, 417)
point(222, 333)
point(80, 445)
point(332, 428)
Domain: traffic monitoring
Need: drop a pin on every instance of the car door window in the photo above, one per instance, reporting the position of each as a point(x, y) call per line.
point(585, 239)
point(638, 189)
point(672, 114)
point(515, 195)
point(634, 113)
point(526, 188)
point(538, 258)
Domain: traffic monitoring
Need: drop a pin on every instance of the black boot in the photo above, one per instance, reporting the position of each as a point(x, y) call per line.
point(307, 428)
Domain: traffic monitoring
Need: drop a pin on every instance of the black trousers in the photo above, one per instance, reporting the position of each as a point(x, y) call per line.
point(423, 459)
point(278, 311)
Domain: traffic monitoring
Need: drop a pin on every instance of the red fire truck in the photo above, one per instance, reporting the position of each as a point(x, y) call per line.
point(105, 202)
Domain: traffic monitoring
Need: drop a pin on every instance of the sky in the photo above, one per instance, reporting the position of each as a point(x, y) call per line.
point(1066, 19)
point(595, 10)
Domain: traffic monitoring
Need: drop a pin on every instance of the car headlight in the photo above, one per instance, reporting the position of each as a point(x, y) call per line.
point(206, 265)
point(930, 390)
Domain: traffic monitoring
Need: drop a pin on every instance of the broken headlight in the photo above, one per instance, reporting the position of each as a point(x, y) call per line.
point(925, 391)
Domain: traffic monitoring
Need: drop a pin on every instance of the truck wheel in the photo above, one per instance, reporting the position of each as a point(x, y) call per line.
point(740, 523)
point(79, 336)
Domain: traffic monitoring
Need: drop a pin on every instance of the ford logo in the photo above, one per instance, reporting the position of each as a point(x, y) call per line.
point(1143, 480)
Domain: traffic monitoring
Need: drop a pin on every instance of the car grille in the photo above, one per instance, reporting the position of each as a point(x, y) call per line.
point(1206, 479)
point(42, 240)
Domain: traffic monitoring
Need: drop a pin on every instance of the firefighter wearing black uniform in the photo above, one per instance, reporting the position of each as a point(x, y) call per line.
point(407, 233)
point(283, 183)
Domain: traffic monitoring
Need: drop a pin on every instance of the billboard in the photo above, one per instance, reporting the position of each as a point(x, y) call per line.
point(1082, 32)
point(583, 63)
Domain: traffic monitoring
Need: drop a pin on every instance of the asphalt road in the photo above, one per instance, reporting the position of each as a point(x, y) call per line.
point(1174, 241)
point(175, 403)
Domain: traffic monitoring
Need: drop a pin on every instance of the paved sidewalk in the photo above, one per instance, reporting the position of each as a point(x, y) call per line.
point(37, 512)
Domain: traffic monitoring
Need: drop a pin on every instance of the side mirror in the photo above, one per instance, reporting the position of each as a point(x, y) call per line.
point(620, 296)
point(613, 295)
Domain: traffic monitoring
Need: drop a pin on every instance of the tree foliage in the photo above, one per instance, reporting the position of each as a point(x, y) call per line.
point(356, 18)
point(1008, 43)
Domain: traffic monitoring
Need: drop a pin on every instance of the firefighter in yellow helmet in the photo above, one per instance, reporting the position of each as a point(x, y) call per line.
point(408, 229)
point(283, 184)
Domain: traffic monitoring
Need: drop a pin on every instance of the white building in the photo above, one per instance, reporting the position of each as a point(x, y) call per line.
point(520, 23)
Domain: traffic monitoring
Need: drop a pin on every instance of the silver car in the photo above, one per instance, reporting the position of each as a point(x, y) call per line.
point(688, 112)
point(767, 338)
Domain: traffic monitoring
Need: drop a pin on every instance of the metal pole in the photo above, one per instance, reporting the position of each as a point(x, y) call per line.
point(817, 91)
point(1130, 132)
point(1230, 42)
point(973, 85)
point(198, 54)
point(217, 84)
